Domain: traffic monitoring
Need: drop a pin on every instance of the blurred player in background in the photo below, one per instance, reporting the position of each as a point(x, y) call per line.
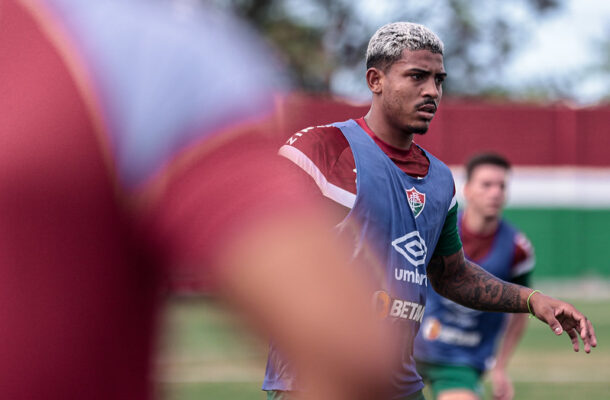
point(457, 344)
point(397, 201)
point(125, 151)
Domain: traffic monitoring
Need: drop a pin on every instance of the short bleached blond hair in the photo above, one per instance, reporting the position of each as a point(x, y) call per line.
point(387, 44)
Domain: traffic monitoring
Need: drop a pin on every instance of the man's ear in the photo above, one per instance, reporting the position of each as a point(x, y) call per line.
point(466, 190)
point(374, 79)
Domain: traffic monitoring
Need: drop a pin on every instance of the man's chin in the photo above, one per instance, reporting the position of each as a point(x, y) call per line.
point(492, 214)
point(418, 129)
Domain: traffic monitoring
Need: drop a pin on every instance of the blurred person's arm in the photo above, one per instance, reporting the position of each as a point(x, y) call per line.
point(236, 217)
point(521, 271)
point(468, 284)
point(516, 324)
point(502, 385)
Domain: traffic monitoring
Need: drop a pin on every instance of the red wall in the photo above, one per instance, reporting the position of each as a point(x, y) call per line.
point(528, 134)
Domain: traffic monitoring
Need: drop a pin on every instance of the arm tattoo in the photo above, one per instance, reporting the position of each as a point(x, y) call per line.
point(470, 285)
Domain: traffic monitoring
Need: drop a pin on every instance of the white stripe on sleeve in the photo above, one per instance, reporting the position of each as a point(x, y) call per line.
point(329, 190)
point(528, 264)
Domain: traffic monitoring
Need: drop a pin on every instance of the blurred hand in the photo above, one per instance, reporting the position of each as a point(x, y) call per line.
point(502, 385)
point(562, 316)
point(300, 287)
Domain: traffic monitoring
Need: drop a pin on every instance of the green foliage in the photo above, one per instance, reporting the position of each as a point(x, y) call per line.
point(324, 41)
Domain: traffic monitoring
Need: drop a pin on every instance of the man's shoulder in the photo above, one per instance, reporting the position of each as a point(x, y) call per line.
point(322, 144)
point(318, 137)
point(524, 255)
point(443, 174)
point(522, 242)
point(518, 236)
point(324, 154)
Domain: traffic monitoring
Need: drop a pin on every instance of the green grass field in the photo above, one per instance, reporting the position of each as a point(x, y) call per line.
point(206, 355)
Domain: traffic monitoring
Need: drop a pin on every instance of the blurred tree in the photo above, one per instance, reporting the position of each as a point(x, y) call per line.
point(603, 66)
point(324, 41)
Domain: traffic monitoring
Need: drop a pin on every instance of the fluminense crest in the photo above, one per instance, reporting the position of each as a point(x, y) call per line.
point(416, 200)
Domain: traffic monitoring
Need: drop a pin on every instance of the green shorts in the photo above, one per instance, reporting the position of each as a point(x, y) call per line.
point(441, 377)
point(280, 395)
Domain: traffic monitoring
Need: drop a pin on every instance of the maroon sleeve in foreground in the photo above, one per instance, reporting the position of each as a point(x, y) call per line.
point(220, 193)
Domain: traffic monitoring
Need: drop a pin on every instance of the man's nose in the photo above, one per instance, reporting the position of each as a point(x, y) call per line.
point(497, 191)
point(431, 89)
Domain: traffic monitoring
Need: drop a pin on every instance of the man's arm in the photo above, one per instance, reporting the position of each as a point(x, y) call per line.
point(470, 285)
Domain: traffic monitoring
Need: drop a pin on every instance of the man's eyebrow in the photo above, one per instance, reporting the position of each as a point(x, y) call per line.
point(419, 70)
point(425, 71)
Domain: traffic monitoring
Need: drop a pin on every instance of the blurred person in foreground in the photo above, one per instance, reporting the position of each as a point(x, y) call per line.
point(126, 151)
point(456, 345)
point(397, 201)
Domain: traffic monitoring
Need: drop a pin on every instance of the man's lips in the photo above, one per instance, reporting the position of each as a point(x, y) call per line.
point(426, 111)
point(428, 108)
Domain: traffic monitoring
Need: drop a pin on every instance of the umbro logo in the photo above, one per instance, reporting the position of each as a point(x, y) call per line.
point(413, 247)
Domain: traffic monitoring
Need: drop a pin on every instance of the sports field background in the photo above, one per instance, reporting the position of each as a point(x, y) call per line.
point(207, 355)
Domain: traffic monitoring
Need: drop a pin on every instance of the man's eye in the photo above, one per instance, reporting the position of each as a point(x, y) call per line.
point(417, 77)
point(440, 79)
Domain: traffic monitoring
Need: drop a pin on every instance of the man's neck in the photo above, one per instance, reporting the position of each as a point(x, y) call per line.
point(386, 132)
point(479, 224)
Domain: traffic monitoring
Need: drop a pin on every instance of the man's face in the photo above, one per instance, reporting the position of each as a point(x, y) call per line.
point(485, 192)
point(412, 90)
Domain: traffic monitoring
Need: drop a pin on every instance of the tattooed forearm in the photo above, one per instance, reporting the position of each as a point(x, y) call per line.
point(468, 284)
